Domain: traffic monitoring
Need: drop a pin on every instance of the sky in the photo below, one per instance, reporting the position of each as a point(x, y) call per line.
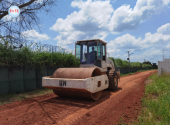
point(139, 26)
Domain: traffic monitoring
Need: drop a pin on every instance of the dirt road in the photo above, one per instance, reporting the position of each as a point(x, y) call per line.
point(51, 109)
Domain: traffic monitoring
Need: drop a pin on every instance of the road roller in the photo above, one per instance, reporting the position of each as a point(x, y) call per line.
point(95, 73)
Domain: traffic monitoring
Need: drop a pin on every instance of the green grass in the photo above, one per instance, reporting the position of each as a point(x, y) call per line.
point(156, 102)
point(4, 99)
point(121, 121)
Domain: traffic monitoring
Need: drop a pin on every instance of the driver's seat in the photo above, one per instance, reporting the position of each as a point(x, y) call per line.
point(90, 57)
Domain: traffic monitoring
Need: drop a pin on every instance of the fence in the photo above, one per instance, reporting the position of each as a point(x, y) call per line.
point(34, 46)
point(126, 70)
point(19, 79)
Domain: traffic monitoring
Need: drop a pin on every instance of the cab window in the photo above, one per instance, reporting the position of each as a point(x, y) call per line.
point(100, 51)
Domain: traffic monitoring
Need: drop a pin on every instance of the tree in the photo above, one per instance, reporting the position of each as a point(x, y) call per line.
point(11, 28)
point(147, 62)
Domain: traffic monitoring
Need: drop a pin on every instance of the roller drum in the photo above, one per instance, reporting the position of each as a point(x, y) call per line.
point(77, 73)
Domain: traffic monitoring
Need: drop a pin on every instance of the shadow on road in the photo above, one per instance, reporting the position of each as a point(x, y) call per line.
point(82, 103)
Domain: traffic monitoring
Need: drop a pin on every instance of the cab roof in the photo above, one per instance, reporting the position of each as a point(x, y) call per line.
point(96, 40)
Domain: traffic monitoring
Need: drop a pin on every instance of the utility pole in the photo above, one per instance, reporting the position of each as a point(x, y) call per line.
point(144, 63)
point(129, 59)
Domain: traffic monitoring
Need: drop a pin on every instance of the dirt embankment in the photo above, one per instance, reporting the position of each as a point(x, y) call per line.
point(51, 109)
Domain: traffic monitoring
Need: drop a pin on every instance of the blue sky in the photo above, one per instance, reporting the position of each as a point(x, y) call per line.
point(142, 26)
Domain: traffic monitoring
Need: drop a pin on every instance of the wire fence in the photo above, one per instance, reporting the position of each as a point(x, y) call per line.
point(35, 46)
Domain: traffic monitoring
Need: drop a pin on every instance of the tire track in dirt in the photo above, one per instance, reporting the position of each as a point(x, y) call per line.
point(51, 109)
point(130, 85)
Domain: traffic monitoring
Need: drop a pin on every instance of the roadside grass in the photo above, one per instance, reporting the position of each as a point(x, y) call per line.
point(4, 99)
point(121, 121)
point(156, 102)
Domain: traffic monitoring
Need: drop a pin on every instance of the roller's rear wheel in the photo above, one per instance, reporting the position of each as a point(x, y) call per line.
point(113, 80)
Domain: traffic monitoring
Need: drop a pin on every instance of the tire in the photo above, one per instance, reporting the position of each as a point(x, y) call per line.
point(113, 80)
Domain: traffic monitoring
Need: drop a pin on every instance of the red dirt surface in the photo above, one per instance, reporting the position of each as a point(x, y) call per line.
point(51, 109)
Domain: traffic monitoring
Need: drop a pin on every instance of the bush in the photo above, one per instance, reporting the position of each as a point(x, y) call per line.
point(125, 64)
point(24, 56)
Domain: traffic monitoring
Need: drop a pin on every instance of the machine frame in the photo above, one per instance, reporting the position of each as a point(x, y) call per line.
point(89, 80)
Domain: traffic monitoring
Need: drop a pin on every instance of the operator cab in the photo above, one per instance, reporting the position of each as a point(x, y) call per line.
point(90, 51)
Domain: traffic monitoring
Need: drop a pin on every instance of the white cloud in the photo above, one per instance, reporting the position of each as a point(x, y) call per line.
point(89, 12)
point(8, 18)
point(155, 38)
point(97, 11)
point(34, 35)
point(65, 47)
point(166, 2)
point(150, 54)
point(126, 41)
point(156, 41)
point(113, 1)
point(126, 18)
point(100, 35)
point(39, 1)
point(97, 19)
point(66, 38)
point(164, 29)
point(168, 46)
point(88, 23)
